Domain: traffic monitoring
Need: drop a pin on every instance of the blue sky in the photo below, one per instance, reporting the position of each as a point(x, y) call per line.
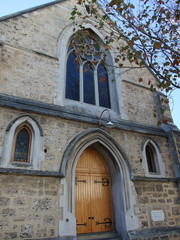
point(12, 6)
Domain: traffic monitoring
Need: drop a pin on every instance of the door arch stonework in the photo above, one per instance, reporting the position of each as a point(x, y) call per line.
point(122, 187)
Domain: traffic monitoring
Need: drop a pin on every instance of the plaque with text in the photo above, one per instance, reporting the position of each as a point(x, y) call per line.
point(157, 215)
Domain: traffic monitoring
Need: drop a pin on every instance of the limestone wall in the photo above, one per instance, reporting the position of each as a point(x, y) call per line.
point(140, 105)
point(29, 207)
point(38, 30)
point(27, 75)
point(158, 196)
point(177, 142)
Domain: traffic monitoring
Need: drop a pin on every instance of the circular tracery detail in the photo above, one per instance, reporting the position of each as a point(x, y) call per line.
point(87, 49)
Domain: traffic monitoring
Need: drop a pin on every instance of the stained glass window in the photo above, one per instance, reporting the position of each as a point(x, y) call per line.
point(88, 83)
point(103, 86)
point(22, 145)
point(86, 74)
point(72, 77)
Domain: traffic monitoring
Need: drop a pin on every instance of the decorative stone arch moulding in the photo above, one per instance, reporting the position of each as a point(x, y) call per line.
point(158, 158)
point(122, 187)
point(36, 153)
point(21, 116)
point(152, 141)
point(63, 42)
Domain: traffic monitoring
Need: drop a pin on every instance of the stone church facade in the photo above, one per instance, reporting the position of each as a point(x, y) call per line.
point(52, 129)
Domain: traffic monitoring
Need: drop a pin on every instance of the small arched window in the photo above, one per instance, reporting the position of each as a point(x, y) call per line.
point(87, 78)
point(151, 159)
point(22, 145)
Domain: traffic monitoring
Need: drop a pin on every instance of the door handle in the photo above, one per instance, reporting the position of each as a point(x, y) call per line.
point(91, 218)
point(105, 182)
point(81, 224)
point(107, 222)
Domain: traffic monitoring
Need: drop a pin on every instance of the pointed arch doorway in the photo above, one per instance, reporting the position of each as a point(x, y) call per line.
point(93, 198)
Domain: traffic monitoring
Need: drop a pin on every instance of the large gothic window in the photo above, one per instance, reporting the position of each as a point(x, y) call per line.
point(86, 73)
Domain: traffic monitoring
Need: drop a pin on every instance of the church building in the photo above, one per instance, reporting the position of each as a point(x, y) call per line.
point(81, 154)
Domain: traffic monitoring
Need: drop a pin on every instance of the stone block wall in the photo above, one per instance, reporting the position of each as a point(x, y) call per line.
point(29, 207)
point(37, 30)
point(158, 195)
point(35, 75)
point(139, 96)
point(163, 236)
point(177, 142)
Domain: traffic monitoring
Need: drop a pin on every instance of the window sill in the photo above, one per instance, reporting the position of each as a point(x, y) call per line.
point(155, 178)
point(154, 175)
point(85, 108)
point(27, 172)
point(19, 164)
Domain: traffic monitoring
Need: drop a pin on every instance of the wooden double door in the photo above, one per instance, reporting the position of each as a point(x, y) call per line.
point(93, 194)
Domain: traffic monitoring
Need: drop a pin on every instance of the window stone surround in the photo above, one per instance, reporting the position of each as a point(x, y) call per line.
point(36, 154)
point(158, 159)
point(63, 43)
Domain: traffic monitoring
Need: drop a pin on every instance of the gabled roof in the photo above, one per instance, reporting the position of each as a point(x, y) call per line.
point(29, 10)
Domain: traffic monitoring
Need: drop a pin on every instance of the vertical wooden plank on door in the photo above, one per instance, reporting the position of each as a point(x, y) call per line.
point(101, 203)
point(83, 203)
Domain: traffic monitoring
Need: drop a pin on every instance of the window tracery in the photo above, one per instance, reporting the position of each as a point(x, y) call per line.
point(86, 73)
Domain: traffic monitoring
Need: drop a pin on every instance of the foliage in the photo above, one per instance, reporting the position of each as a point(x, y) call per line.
point(150, 29)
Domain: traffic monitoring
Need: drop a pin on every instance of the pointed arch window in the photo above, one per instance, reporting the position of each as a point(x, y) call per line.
point(103, 86)
point(22, 145)
point(88, 83)
point(72, 77)
point(151, 159)
point(87, 77)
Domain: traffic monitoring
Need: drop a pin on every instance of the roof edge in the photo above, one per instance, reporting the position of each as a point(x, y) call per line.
point(16, 14)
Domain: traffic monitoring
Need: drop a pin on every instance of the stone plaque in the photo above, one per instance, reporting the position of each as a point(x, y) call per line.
point(157, 215)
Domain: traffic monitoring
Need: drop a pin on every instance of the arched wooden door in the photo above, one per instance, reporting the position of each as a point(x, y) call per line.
point(93, 194)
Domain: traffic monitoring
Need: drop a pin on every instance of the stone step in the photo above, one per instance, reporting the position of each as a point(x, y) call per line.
point(104, 238)
point(100, 236)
